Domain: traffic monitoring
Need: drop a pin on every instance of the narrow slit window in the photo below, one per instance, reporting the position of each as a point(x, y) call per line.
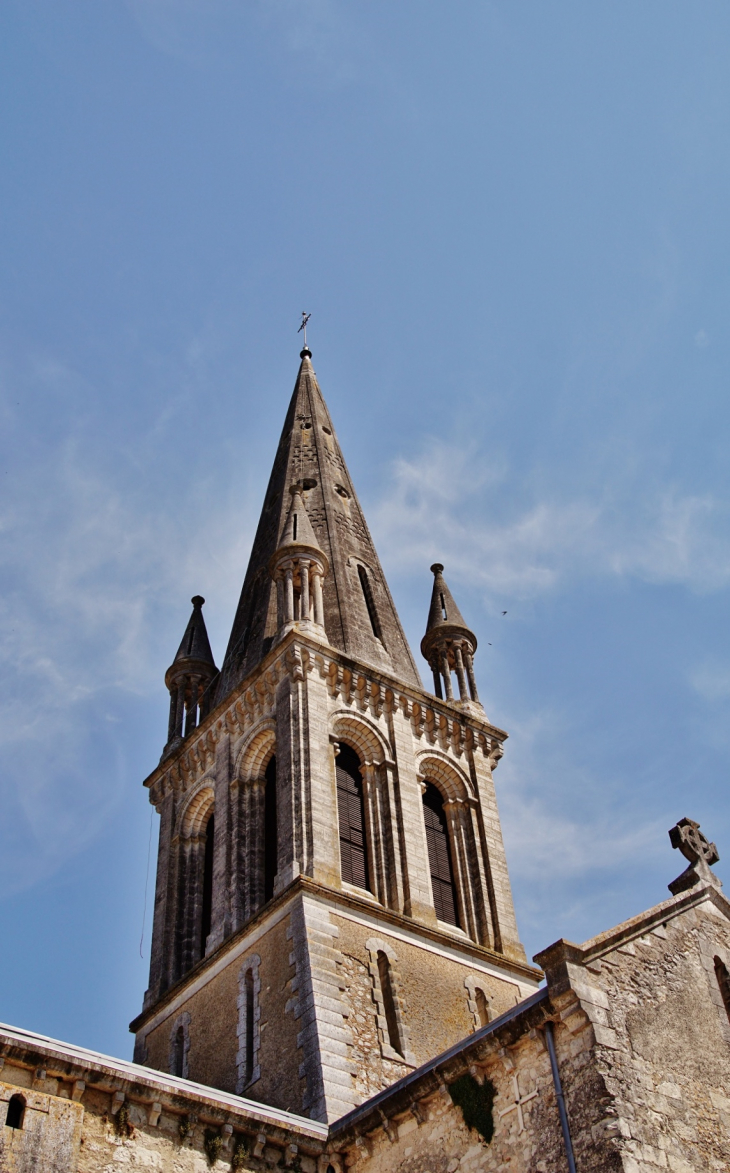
point(367, 591)
point(179, 1052)
point(439, 856)
point(16, 1112)
point(249, 1026)
point(386, 988)
point(207, 911)
point(351, 816)
point(482, 1006)
point(723, 981)
point(270, 830)
point(443, 606)
point(295, 528)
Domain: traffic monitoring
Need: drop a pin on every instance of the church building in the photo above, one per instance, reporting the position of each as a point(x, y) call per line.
point(336, 975)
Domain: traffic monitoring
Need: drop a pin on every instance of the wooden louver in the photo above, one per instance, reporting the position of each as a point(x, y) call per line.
point(353, 858)
point(439, 856)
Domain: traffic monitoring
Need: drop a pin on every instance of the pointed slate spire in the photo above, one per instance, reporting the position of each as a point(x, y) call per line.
point(189, 678)
point(359, 615)
point(448, 644)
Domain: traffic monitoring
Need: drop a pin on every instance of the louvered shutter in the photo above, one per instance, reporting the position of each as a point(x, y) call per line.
point(439, 856)
point(351, 814)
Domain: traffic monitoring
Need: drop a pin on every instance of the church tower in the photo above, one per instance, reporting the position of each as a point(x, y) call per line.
point(333, 906)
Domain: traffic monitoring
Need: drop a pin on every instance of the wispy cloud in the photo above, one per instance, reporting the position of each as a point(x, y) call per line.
point(92, 572)
point(711, 680)
point(441, 504)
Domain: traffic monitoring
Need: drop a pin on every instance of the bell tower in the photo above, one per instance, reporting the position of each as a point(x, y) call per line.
point(333, 906)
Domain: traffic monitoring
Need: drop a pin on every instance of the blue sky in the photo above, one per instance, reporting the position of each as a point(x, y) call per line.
point(509, 221)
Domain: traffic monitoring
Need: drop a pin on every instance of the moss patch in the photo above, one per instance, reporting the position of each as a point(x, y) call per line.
point(476, 1101)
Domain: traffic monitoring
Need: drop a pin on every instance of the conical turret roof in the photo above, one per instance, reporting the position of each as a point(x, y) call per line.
point(195, 645)
point(309, 454)
point(444, 617)
point(298, 528)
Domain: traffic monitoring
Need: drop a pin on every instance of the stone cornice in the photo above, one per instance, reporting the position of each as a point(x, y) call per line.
point(154, 1090)
point(350, 900)
point(563, 952)
point(365, 686)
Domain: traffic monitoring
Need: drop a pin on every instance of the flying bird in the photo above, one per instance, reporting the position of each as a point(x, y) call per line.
point(504, 612)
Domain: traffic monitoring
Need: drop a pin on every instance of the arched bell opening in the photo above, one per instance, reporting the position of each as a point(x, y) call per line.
point(439, 856)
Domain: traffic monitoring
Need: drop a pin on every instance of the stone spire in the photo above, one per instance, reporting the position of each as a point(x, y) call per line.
point(359, 614)
point(189, 677)
point(449, 645)
point(298, 567)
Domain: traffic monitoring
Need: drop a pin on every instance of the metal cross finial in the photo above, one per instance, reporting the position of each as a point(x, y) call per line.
point(305, 319)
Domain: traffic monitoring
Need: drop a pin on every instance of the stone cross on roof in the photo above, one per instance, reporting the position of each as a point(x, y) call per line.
point(687, 837)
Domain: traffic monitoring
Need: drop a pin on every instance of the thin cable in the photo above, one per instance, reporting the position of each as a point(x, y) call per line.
point(146, 882)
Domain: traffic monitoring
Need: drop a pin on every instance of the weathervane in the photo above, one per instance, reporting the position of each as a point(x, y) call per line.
point(305, 319)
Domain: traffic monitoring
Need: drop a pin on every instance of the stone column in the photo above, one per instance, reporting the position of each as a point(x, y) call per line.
point(221, 910)
point(374, 833)
point(304, 588)
point(469, 663)
point(173, 713)
point(163, 924)
point(289, 595)
point(255, 845)
point(409, 828)
point(279, 603)
point(446, 673)
point(459, 864)
point(504, 925)
point(392, 834)
point(180, 708)
point(436, 679)
point(192, 718)
point(318, 600)
point(463, 694)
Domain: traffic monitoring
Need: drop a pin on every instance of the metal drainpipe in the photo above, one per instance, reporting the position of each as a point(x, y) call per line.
point(560, 1097)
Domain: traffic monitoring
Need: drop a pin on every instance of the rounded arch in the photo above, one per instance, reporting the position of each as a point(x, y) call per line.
point(447, 777)
point(256, 751)
point(197, 809)
point(361, 734)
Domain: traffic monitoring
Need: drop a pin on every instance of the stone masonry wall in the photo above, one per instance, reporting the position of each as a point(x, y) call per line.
point(662, 1033)
point(213, 1012)
point(424, 978)
point(87, 1114)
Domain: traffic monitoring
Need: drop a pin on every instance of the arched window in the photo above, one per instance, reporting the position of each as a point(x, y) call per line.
point(248, 994)
point(482, 1006)
point(386, 987)
point(16, 1112)
point(271, 861)
point(723, 981)
point(178, 1055)
point(439, 856)
point(351, 812)
point(207, 911)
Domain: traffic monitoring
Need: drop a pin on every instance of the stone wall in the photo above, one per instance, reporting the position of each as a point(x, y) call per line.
point(216, 1020)
point(85, 1113)
point(642, 1045)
